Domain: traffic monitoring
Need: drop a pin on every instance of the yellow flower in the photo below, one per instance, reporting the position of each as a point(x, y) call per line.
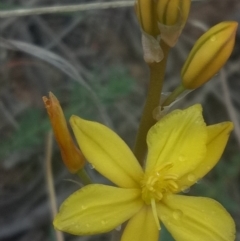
point(182, 149)
point(71, 155)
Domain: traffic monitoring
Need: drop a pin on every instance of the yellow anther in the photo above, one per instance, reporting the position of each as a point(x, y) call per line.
point(173, 185)
point(170, 177)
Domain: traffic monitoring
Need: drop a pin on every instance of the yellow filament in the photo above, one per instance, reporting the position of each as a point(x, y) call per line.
point(154, 210)
point(173, 184)
point(171, 176)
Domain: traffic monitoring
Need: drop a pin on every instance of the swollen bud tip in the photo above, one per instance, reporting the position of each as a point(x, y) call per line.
point(209, 54)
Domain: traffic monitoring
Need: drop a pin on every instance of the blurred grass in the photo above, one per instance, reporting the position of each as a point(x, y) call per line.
point(33, 125)
point(28, 135)
point(6, 6)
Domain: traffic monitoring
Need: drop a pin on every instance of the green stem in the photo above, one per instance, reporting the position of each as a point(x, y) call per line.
point(173, 96)
point(84, 176)
point(157, 73)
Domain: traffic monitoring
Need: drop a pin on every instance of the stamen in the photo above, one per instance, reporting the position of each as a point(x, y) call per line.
point(159, 195)
point(167, 166)
point(171, 176)
point(154, 210)
point(173, 184)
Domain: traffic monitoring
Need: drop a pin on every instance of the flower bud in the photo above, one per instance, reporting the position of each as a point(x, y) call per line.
point(172, 16)
point(71, 155)
point(209, 54)
point(146, 14)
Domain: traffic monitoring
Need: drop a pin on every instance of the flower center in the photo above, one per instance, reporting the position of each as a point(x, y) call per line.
point(158, 182)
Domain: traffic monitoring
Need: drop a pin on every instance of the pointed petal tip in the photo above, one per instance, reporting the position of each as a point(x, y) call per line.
point(223, 127)
point(233, 25)
point(196, 107)
point(51, 94)
point(74, 120)
point(73, 117)
point(229, 125)
point(56, 222)
point(226, 127)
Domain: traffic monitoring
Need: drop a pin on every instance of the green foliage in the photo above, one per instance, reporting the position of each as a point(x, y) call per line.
point(34, 123)
point(117, 84)
point(164, 234)
point(28, 135)
point(7, 6)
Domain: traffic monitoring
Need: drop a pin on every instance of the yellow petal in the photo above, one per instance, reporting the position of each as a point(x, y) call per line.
point(107, 152)
point(141, 227)
point(177, 140)
point(97, 209)
point(196, 219)
point(217, 139)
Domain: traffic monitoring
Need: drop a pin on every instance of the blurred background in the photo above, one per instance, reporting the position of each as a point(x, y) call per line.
point(92, 61)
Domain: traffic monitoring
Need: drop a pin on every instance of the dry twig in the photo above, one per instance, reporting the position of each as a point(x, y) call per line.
point(65, 9)
point(50, 183)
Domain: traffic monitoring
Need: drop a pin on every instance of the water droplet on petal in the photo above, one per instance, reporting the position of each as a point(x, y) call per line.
point(103, 222)
point(191, 177)
point(91, 166)
point(83, 207)
point(118, 228)
point(213, 38)
point(199, 120)
point(185, 189)
point(177, 214)
point(181, 158)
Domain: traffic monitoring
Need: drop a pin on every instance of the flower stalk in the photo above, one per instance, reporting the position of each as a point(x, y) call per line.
point(157, 73)
point(173, 96)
